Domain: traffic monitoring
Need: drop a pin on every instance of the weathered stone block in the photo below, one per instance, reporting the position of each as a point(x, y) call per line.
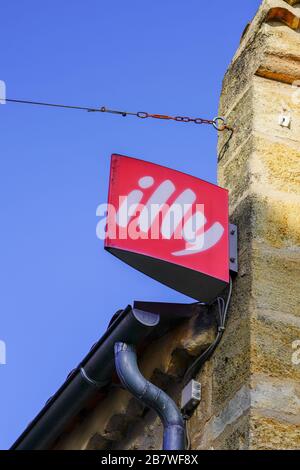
point(234, 172)
point(276, 275)
point(271, 100)
point(277, 164)
point(292, 2)
point(270, 434)
point(231, 365)
point(271, 347)
point(230, 428)
point(240, 117)
point(235, 436)
point(244, 65)
point(278, 398)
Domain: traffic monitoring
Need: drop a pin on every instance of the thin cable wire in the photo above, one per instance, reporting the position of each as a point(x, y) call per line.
point(187, 433)
point(221, 308)
point(219, 123)
point(222, 316)
point(227, 302)
point(54, 105)
point(226, 145)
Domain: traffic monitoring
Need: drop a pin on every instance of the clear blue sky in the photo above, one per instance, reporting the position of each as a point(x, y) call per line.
point(58, 286)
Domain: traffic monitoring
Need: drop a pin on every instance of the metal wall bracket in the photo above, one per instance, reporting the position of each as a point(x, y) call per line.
point(233, 249)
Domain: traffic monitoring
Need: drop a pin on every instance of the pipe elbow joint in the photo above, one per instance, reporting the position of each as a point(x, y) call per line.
point(152, 396)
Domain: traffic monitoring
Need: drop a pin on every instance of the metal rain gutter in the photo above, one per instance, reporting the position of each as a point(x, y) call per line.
point(92, 374)
point(141, 324)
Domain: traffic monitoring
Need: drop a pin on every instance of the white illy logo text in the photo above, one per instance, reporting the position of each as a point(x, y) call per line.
point(182, 219)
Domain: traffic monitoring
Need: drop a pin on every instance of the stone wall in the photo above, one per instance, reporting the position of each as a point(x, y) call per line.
point(251, 391)
point(255, 385)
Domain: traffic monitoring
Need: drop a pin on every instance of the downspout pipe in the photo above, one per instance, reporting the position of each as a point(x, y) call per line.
point(151, 396)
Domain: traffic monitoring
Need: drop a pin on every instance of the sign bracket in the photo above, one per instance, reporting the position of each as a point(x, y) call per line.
point(233, 249)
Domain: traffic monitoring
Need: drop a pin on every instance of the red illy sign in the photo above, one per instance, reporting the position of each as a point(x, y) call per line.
point(170, 226)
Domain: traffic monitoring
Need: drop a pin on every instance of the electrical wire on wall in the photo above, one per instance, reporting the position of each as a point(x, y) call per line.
point(222, 313)
point(195, 367)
